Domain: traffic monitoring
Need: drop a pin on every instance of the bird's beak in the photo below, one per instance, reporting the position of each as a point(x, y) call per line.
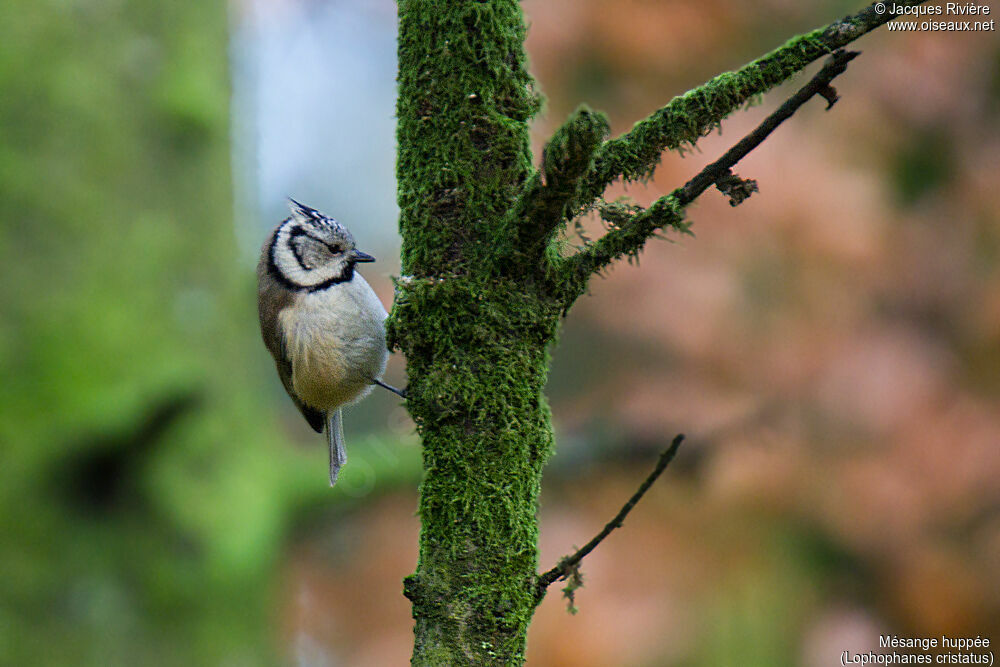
point(362, 256)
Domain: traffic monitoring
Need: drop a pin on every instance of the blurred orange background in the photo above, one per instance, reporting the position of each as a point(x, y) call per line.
point(831, 347)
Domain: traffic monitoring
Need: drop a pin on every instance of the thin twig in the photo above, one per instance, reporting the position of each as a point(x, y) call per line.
point(818, 85)
point(569, 567)
point(568, 564)
point(548, 194)
point(629, 238)
point(636, 153)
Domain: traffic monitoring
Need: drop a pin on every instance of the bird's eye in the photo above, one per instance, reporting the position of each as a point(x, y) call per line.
point(335, 249)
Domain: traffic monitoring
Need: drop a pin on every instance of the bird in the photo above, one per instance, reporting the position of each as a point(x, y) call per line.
point(321, 321)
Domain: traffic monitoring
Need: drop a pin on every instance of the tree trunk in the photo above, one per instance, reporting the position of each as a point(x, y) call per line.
point(474, 327)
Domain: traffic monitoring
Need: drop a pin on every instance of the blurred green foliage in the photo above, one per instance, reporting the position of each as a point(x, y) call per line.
point(924, 165)
point(145, 490)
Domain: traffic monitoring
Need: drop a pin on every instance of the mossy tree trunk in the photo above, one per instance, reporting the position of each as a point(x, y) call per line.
point(473, 326)
point(485, 282)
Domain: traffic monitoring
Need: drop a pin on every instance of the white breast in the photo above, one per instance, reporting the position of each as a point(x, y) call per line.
point(336, 342)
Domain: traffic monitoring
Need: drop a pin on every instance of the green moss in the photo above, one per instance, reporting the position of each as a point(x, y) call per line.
point(464, 102)
point(475, 337)
point(689, 117)
point(477, 364)
point(632, 226)
point(552, 195)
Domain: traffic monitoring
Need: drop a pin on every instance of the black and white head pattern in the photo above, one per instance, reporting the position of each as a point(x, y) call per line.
point(311, 251)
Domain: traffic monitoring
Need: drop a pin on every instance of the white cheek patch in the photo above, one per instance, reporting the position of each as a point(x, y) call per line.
point(297, 266)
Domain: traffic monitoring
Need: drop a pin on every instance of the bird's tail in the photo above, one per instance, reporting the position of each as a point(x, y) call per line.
point(335, 438)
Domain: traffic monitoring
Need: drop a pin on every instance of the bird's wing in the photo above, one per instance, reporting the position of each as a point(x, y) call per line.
point(273, 299)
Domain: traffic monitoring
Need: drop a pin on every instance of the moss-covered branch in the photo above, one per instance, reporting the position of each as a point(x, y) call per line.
point(688, 117)
point(549, 195)
point(631, 227)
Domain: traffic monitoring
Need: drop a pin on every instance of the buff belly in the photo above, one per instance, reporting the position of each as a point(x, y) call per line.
point(336, 342)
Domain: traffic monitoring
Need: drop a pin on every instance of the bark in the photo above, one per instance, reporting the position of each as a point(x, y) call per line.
point(474, 320)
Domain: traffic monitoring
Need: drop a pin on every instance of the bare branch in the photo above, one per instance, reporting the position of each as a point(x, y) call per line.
point(567, 567)
point(688, 117)
point(818, 85)
point(631, 234)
